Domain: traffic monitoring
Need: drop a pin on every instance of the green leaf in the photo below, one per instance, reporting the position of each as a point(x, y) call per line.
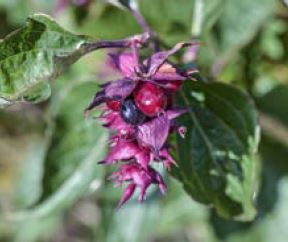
point(171, 20)
point(216, 158)
point(35, 54)
point(23, 147)
point(270, 42)
point(240, 21)
point(192, 216)
point(77, 146)
point(138, 227)
point(74, 136)
point(274, 152)
point(18, 10)
point(274, 103)
point(272, 227)
point(36, 229)
point(274, 124)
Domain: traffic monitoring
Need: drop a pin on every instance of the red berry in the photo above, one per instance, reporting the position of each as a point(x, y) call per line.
point(113, 105)
point(150, 99)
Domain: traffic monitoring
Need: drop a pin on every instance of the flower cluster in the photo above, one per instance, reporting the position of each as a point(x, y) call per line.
point(139, 109)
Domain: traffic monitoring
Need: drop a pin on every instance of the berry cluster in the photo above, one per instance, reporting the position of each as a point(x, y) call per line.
point(140, 112)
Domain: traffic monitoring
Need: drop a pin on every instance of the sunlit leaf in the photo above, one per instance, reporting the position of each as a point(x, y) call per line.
point(34, 55)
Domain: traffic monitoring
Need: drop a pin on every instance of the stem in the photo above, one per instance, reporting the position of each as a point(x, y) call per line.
point(145, 27)
point(123, 43)
point(107, 44)
point(197, 21)
point(196, 30)
point(141, 21)
point(135, 52)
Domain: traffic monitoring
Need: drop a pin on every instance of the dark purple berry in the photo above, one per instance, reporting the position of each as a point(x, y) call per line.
point(130, 113)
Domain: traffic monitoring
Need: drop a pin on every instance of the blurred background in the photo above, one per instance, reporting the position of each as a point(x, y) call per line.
point(52, 190)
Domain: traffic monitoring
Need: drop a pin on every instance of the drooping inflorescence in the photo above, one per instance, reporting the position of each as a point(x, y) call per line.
point(139, 110)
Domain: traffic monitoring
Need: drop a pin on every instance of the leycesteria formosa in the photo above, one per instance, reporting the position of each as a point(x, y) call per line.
point(139, 110)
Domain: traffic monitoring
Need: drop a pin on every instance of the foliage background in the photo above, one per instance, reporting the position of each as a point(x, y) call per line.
point(45, 149)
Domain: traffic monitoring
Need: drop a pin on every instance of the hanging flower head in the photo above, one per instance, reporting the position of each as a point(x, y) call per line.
point(139, 108)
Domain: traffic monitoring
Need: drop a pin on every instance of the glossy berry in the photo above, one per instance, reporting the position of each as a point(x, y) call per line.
point(150, 99)
point(130, 113)
point(113, 105)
